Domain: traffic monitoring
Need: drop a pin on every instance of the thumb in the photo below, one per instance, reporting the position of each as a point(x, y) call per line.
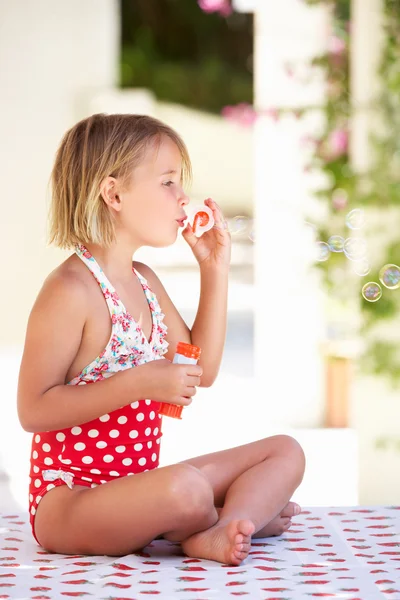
point(189, 236)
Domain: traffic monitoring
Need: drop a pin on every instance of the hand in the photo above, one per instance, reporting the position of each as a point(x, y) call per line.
point(168, 382)
point(213, 248)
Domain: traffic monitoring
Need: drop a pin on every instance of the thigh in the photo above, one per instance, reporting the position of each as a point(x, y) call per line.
point(121, 515)
point(224, 467)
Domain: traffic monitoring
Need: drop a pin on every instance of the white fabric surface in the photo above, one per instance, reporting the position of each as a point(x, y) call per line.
point(351, 553)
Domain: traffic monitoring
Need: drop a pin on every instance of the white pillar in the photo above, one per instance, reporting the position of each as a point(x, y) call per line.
point(288, 320)
point(366, 52)
point(53, 54)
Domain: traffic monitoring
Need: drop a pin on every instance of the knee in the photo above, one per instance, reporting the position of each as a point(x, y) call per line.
point(190, 491)
point(290, 447)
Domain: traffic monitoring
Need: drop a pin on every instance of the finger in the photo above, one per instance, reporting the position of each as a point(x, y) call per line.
point(193, 381)
point(215, 207)
point(217, 214)
point(219, 219)
point(190, 391)
point(189, 236)
point(185, 401)
point(194, 371)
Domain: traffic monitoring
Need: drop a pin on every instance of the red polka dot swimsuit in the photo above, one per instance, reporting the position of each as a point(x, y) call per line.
point(125, 441)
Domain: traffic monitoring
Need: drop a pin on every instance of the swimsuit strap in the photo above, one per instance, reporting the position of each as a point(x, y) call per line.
point(111, 297)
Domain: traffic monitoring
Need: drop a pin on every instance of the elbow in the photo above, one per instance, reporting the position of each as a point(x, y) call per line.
point(27, 421)
point(207, 382)
point(210, 373)
point(27, 424)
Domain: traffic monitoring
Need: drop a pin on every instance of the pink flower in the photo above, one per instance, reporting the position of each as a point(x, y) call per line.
point(338, 142)
point(339, 199)
point(272, 113)
point(243, 114)
point(336, 45)
point(222, 6)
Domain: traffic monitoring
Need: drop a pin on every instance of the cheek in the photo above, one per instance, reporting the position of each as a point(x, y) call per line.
point(166, 203)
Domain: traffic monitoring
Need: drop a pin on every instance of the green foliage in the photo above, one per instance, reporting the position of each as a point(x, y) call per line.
point(185, 55)
point(379, 187)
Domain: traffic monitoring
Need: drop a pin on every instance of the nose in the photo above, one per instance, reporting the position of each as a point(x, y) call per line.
point(183, 198)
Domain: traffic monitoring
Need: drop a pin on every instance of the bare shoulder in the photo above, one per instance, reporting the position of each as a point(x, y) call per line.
point(66, 283)
point(53, 335)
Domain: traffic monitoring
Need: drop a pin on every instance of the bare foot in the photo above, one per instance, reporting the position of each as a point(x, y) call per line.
point(280, 524)
point(227, 543)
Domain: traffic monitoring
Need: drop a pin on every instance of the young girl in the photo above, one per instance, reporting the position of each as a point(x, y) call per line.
point(117, 185)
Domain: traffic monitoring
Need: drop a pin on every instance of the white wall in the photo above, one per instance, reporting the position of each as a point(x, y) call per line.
point(52, 54)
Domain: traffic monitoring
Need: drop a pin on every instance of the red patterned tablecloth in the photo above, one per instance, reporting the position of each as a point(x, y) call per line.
point(350, 553)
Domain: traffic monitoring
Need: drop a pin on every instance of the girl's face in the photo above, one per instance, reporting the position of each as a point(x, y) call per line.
point(154, 201)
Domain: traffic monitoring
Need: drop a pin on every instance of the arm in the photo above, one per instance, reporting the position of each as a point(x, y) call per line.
point(53, 339)
point(209, 327)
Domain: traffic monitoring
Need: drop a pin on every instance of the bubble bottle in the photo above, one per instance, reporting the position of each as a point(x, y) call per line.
point(185, 354)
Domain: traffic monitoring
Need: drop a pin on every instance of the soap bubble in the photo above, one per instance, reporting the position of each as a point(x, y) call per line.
point(389, 275)
point(322, 251)
point(361, 267)
point(336, 243)
point(252, 234)
point(355, 248)
point(371, 291)
point(355, 219)
point(238, 225)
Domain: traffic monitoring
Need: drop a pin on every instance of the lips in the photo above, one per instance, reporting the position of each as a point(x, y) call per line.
point(181, 222)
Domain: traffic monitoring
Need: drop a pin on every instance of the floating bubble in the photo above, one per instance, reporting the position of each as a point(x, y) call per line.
point(238, 225)
point(252, 234)
point(389, 275)
point(336, 243)
point(361, 267)
point(355, 219)
point(322, 251)
point(371, 291)
point(355, 248)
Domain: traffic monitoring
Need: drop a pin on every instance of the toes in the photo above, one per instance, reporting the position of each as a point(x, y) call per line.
point(286, 527)
point(291, 510)
point(240, 555)
point(242, 539)
point(239, 539)
point(246, 528)
point(244, 548)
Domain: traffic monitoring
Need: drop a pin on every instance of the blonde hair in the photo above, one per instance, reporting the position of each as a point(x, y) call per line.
point(99, 146)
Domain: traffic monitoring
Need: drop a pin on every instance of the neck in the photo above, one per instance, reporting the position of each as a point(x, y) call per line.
point(115, 260)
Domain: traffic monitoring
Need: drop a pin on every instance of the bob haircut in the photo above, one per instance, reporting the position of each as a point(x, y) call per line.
point(97, 147)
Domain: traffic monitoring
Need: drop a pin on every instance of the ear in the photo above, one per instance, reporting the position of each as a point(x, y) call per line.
point(110, 194)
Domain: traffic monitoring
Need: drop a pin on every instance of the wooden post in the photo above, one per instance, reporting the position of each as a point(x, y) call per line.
point(338, 376)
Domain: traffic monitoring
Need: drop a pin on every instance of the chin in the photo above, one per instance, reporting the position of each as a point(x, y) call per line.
point(167, 241)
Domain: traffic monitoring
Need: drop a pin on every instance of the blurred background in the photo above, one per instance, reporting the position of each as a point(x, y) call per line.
point(290, 111)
